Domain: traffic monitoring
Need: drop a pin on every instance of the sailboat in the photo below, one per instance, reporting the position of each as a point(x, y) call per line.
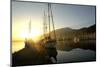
point(49, 42)
point(33, 53)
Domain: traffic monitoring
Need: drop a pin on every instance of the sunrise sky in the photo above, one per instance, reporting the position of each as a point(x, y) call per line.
point(73, 16)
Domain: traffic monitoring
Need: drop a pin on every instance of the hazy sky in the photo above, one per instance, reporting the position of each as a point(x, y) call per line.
point(73, 16)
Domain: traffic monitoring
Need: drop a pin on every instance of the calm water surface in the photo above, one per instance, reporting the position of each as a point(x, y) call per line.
point(16, 46)
point(74, 55)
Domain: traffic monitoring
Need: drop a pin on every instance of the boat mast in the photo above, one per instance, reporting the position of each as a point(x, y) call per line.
point(52, 22)
point(49, 17)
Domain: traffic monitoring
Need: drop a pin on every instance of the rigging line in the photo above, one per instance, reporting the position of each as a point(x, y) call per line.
point(44, 25)
point(53, 22)
point(49, 17)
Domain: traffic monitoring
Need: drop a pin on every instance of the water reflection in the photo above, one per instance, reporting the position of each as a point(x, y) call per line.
point(16, 46)
point(76, 55)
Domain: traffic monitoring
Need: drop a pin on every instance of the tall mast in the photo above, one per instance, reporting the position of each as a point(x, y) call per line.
point(49, 17)
point(52, 22)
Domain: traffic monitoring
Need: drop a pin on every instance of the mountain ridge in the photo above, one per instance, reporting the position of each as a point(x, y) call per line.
point(68, 29)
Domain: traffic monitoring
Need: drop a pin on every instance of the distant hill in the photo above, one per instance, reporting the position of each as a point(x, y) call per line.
point(66, 38)
point(89, 29)
point(85, 29)
point(70, 33)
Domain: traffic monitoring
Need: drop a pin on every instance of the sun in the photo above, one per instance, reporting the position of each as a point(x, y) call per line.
point(35, 33)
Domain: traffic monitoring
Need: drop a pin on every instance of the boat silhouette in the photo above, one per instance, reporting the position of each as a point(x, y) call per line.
point(43, 52)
